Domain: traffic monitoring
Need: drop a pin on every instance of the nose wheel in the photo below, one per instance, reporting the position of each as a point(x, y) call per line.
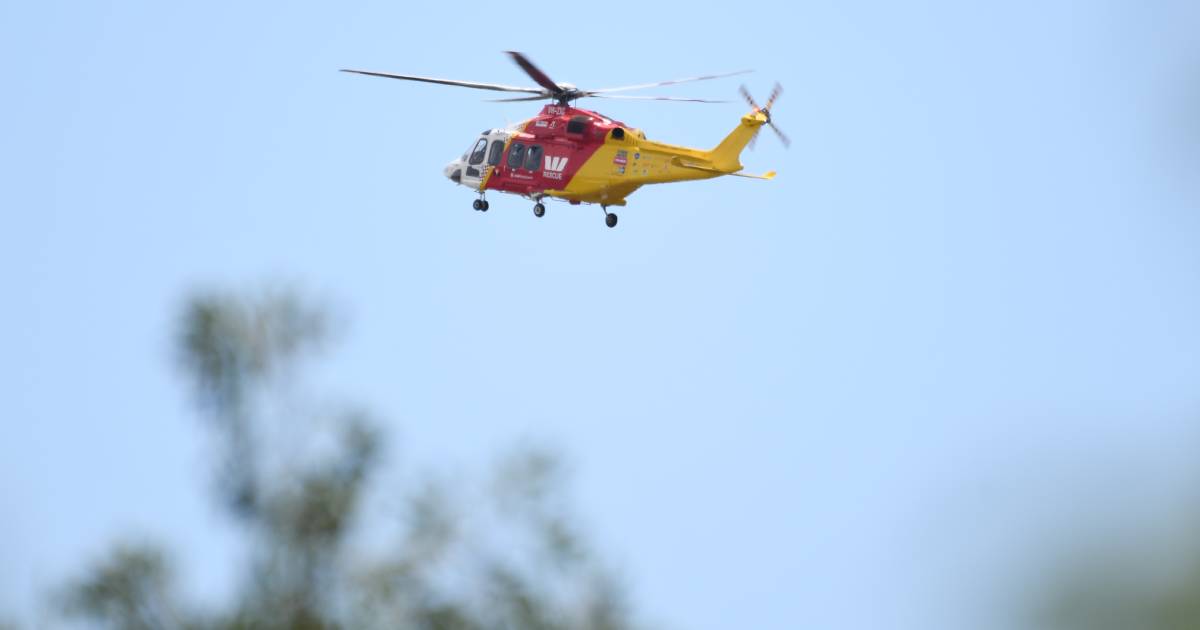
point(480, 205)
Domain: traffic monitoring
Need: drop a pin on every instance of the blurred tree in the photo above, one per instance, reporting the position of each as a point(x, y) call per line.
point(1123, 589)
point(131, 589)
point(293, 475)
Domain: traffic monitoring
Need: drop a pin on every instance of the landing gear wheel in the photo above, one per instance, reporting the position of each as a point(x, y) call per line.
point(477, 204)
point(539, 210)
point(610, 220)
point(485, 205)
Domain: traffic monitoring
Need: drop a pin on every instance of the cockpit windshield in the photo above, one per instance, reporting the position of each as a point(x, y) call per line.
point(478, 152)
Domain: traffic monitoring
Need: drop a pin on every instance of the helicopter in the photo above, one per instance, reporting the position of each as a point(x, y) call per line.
point(581, 156)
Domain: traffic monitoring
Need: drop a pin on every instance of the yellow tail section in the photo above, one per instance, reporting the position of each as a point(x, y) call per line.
point(725, 156)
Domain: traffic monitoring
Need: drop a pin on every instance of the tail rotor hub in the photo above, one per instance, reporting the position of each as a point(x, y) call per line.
point(765, 110)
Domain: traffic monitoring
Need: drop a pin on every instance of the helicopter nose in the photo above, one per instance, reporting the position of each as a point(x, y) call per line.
point(453, 171)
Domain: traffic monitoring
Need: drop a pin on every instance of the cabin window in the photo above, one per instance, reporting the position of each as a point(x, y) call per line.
point(533, 157)
point(516, 155)
point(495, 152)
point(478, 151)
point(577, 124)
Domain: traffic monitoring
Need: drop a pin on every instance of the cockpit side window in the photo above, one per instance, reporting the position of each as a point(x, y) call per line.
point(516, 155)
point(478, 152)
point(495, 151)
point(533, 157)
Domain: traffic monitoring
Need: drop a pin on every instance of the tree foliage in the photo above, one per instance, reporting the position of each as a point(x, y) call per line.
point(1123, 590)
point(293, 474)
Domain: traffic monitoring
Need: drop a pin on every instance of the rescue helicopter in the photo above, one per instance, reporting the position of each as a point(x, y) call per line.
point(581, 156)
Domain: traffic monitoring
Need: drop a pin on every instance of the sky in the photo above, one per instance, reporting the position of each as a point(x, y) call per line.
point(953, 341)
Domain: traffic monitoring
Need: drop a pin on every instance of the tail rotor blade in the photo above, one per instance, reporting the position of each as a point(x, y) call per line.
point(778, 89)
point(749, 99)
point(782, 138)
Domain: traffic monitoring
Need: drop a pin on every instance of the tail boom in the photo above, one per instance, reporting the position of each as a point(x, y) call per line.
point(725, 156)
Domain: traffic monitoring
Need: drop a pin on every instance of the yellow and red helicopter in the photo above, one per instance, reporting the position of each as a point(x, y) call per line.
point(581, 156)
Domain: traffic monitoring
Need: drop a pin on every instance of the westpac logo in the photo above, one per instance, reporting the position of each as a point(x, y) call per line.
point(555, 165)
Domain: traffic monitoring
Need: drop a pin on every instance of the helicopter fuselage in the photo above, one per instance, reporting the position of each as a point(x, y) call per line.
point(582, 156)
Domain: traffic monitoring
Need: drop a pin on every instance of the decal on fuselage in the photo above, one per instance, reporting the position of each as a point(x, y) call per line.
point(555, 165)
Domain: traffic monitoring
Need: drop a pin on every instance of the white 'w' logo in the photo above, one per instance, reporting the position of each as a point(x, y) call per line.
point(556, 164)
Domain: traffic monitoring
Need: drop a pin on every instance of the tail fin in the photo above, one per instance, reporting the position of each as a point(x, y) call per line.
point(725, 155)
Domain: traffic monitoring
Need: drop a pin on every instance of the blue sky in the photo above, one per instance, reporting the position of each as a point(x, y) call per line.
point(954, 339)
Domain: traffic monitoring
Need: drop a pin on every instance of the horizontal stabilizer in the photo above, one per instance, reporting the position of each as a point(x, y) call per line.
point(768, 175)
point(700, 167)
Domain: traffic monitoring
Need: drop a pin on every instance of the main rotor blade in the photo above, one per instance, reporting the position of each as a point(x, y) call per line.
point(782, 138)
point(469, 84)
point(749, 99)
point(655, 98)
point(671, 82)
point(540, 97)
point(534, 73)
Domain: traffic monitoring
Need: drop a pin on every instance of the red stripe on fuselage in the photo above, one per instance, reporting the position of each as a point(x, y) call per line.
point(564, 152)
